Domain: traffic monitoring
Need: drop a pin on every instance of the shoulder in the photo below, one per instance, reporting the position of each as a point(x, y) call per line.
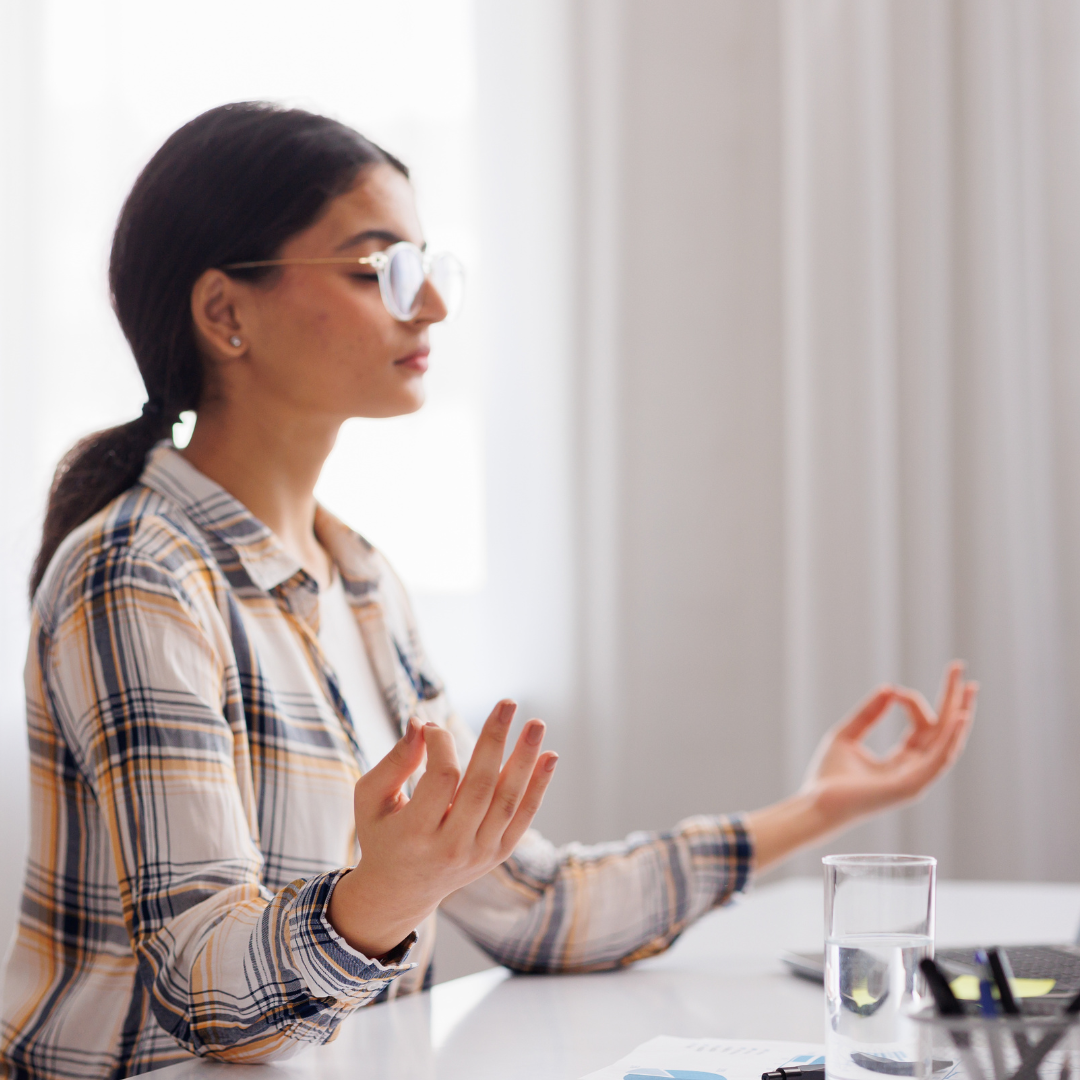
point(140, 541)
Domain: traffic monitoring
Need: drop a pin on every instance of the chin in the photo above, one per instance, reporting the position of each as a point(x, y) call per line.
point(414, 400)
point(398, 405)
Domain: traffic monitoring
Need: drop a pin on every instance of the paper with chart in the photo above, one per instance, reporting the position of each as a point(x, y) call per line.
point(709, 1059)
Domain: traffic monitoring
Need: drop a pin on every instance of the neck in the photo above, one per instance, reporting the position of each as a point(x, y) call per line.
point(270, 461)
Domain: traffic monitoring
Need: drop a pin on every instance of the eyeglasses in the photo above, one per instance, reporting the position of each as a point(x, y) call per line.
point(402, 269)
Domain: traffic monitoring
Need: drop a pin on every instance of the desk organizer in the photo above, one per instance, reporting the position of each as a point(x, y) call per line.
point(1040, 1044)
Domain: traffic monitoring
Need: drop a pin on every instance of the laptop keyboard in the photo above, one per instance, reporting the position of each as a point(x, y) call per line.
point(1031, 962)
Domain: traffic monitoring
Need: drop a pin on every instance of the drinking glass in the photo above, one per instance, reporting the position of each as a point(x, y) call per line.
point(879, 923)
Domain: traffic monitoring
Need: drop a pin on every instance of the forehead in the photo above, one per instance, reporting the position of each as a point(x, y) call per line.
point(381, 200)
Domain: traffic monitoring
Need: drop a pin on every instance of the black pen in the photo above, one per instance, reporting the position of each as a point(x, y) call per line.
point(1001, 969)
point(944, 998)
point(947, 1005)
point(790, 1072)
point(1002, 973)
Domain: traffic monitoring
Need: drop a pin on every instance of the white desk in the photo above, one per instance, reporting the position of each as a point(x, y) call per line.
point(721, 979)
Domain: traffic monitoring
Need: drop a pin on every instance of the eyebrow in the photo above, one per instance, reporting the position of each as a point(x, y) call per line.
point(372, 234)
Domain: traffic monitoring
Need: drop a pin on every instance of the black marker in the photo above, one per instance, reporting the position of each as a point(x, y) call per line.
point(791, 1072)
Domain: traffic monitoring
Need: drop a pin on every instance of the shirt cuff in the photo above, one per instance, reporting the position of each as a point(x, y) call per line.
point(722, 854)
point(326, 962)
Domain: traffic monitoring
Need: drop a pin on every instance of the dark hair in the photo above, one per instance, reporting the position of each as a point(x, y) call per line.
point(232, 185)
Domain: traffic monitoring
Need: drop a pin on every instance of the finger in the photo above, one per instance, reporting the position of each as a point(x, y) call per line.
point(957, 712)
point(868, 712)
point(512, 784)
point(929, 731)
point(379, 790)
point(953, 683)
point(436, 788)
point(943, 755)
point(922, 717)
point(542, 775)
point(971, 697)
point(474, 795)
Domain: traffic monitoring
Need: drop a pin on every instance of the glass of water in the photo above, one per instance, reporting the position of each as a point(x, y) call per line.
point(879, 923)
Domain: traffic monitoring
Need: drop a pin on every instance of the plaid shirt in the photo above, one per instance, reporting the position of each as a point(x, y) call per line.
point(192, 766)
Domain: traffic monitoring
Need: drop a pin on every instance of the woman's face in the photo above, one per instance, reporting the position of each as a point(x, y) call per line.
point(317, 339)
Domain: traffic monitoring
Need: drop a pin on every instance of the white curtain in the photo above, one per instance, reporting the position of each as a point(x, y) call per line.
point(847, 400)
point(932, 152)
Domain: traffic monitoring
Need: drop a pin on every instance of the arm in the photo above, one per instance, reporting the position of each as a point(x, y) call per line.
point(591, 908)
point(139, 686)
point(579, 908)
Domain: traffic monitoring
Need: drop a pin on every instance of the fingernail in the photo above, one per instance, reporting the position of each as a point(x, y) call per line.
point(534, 734)
point(506, 713)
point(551, 763)
point(411, 730)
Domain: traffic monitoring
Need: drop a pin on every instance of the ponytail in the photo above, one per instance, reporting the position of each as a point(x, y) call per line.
point(90, 475)
point(230, 186)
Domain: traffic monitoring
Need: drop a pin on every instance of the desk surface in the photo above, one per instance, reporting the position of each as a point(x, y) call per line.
point(721, 979)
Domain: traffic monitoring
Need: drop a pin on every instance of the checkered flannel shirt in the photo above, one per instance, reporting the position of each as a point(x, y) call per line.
point(192, 765)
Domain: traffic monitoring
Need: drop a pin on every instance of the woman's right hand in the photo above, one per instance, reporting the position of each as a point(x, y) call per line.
point(414, 852)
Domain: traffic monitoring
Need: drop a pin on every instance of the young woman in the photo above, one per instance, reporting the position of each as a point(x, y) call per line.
point(225, 688)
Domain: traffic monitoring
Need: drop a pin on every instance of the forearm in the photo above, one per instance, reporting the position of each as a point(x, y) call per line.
point(243, 978)
point(779, 830)
point(588, 908)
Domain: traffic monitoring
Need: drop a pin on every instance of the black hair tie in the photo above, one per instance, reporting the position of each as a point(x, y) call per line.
point(153, 409)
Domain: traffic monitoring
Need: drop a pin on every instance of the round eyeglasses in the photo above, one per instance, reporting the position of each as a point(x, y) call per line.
point(402, 270)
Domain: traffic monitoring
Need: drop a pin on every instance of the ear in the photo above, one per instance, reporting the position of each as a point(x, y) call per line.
point(216, 309)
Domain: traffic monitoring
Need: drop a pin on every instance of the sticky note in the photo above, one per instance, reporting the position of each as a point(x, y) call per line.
point(966, 987)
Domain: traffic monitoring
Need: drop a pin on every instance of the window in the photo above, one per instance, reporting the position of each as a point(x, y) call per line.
point(117, 77)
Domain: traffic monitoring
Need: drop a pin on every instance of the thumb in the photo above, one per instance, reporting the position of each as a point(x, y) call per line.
point(378, 791)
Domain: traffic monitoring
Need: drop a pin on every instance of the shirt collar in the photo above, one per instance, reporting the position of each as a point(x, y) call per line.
point(257, 548)
point(357, 561)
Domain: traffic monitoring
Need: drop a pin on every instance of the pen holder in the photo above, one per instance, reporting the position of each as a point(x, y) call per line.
point(1025, 1047)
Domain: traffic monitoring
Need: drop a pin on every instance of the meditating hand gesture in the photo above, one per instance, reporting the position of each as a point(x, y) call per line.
point(846, 781)
point(453, 830)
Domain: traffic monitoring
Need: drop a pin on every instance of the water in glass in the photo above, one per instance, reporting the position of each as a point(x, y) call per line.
point(872, 981)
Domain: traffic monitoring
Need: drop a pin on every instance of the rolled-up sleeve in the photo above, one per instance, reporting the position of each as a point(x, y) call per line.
point(590, 908)
point(152, 714)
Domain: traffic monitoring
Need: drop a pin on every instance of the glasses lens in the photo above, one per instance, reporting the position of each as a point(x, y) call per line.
point(405, 278)
point(448, 279)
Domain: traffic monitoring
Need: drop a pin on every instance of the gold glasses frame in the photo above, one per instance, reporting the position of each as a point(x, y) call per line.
point(440, 265)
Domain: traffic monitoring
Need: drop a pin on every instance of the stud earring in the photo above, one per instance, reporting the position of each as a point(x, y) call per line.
point(235, 342)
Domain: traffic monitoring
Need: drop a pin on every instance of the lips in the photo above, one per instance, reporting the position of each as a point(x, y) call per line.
point(417, 361)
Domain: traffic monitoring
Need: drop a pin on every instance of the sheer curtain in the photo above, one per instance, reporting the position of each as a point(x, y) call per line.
point(844, 419)
point(932, 157)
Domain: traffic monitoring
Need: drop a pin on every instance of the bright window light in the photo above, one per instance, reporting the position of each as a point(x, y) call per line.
point(404, 74)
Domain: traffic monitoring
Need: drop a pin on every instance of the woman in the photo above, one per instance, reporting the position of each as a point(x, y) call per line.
point(217, 666)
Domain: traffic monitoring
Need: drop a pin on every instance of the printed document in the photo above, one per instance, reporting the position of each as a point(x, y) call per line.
point(709, 1059)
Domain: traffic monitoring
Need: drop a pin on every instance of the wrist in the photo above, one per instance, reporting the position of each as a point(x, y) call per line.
point(371, 924)
point(781, 829)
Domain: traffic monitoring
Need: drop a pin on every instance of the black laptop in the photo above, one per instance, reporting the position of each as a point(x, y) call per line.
point(1058, 962)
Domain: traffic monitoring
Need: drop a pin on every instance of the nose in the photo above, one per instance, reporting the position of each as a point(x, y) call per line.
point(433, 308)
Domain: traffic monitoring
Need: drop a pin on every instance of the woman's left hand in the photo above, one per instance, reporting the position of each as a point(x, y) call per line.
point(851, 781)
point(847, 781)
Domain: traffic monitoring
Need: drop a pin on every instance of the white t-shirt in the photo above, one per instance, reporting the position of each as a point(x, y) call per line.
point(344, 647)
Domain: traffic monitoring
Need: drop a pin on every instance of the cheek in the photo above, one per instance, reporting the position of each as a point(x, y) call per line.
point(340, 326)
